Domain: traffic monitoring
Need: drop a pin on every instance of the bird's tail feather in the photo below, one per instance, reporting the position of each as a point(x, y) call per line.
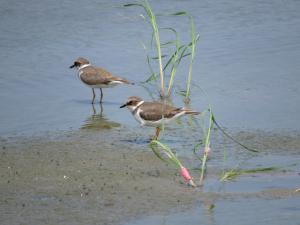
point(191, 112)
point(125, 81)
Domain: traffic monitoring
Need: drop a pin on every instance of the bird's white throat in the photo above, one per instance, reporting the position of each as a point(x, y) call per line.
point(83, 66)
point(80, 69)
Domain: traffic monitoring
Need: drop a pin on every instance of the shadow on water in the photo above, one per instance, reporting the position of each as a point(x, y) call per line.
point(97, 120)
point(86, 101)
point(137, 141)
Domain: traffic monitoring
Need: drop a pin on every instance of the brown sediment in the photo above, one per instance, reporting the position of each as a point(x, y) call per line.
point(91, 178)
point(83, 179)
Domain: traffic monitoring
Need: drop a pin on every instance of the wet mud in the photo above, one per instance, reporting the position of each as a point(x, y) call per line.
point(87, 177)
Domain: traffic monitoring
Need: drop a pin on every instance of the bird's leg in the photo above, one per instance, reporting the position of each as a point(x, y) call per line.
point(156, 133)
point(94, 110)
point(101, 108)
point(101, 95)
point(93, 96)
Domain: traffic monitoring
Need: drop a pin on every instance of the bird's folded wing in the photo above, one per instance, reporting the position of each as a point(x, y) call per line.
point(156, 111)
point(92, 77)
point(107, 75)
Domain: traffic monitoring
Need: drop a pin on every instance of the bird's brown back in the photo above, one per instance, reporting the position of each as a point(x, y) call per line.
point(155, 111)
point(95, 75)
point(107, 75)
point(91, 76)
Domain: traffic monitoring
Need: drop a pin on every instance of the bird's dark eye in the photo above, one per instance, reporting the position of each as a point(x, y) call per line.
point(129, 103)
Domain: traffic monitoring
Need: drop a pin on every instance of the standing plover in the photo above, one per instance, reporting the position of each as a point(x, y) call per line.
point(154, 113)
point(96, 77)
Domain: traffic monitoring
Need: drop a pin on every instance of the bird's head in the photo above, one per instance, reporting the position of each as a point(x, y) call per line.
point(132, 102)
point(80, 62)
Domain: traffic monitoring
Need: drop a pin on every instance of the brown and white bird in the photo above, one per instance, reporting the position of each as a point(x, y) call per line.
point(154, 113)
point(96, 77)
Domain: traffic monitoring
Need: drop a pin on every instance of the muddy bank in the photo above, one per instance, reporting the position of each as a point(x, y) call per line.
point(84, 178)
point(104, 177)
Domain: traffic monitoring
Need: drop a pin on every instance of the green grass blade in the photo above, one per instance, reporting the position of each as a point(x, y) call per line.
point(153, 75)
point(167, 43)
point(206, 146)
point(168, 152)
point(233, 173)
point(231, 138)
point(194, 38)
point(157, 152)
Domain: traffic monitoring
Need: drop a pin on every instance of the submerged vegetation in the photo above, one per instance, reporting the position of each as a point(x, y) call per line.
point(233, 173)
point(167, 65)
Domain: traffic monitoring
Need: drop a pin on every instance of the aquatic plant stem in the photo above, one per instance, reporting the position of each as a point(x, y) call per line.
point(206, 147)
point(194, 38)
point(174, 63)
point(154, 26)
point(158, 45)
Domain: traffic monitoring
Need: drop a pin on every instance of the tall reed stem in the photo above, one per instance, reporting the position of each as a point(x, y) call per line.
point(157, 42)
point(206, 147)
point(194, 38)
point(174, 63)
point(145, 5)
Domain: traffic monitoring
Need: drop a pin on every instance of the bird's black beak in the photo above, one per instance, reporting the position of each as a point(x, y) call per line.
point(122, 106)
point(72, 66)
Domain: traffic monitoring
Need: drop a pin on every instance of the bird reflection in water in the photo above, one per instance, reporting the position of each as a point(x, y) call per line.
point(97, 121)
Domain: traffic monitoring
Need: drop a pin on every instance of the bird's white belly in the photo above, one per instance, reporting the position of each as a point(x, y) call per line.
point(103, 85)
point(137, 117)
point(154, 123)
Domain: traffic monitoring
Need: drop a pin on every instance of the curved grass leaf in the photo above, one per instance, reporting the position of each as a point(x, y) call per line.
point(167, 43)
point(172, 157)
point(197, 146)
point(153, 75)
point(157, 152)
point(231, 138)
point(233, 173)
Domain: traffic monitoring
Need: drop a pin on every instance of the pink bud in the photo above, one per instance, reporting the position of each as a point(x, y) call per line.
point(185, 173)
point(207, 150)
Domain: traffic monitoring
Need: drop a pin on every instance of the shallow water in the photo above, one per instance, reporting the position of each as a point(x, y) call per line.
point(241, 211)
point(247, 61)
point(88, 177)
